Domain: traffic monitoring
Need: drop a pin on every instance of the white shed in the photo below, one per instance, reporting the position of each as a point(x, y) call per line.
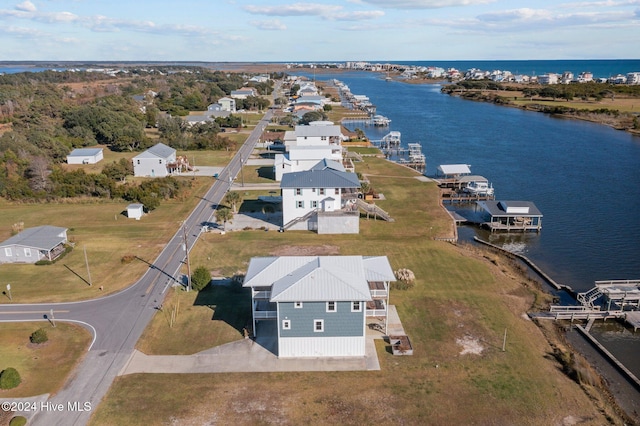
point(135, 211)
point(85, 156)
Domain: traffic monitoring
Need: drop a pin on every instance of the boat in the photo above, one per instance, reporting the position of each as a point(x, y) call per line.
point(482, 188)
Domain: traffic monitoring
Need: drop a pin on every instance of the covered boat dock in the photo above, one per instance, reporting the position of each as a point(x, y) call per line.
point(512, 216)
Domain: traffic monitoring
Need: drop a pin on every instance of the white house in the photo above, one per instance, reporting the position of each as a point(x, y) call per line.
point(135, 211)
point(315, 134)
point(85, 156)
point(633, 78)
point(157, 161)
point(243, 93)
point(34, 244)
point(320, 303)
point(301, 158)
point(323, 199)
point(227, 104)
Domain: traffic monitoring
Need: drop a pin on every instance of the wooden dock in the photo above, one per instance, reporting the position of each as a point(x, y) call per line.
point(633, 319)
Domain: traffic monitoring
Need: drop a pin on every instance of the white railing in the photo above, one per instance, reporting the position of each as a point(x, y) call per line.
point(262, 295)
point(379, 293)
point(376, 312)
point(265, 314)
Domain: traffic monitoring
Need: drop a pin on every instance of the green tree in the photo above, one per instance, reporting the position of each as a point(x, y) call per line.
point(39, 336)
point(224, 215)
point(200, 278)
point(9, 378)
point(327, 107)
point(233, 198)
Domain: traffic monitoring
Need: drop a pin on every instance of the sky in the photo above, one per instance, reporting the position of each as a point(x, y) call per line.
point(321, 31)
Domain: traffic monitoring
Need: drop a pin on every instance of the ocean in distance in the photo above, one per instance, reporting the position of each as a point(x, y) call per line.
point(582, 176)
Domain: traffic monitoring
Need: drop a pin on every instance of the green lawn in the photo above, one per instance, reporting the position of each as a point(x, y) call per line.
point(460, 292)
point(105, 233)
point(43, 368)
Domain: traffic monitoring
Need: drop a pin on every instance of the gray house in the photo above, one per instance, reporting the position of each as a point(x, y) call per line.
point(157, 161)
point(33, 244)
point(320, 303)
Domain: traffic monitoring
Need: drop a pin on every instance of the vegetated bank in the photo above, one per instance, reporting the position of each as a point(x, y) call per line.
point(616, 106)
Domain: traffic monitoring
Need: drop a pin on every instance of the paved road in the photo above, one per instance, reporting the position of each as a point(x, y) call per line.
point(118, 320)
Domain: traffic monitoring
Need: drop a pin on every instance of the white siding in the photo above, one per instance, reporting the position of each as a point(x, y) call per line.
point(300, 347)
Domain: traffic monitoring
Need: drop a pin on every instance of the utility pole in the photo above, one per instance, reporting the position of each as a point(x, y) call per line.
point(186, 250)
point(53, 320)
point(86, 261)
point(9, 292)
point(504, 341)
point(241, 172)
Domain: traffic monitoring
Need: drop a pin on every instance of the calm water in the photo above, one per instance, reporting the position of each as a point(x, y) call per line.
point(583, 177)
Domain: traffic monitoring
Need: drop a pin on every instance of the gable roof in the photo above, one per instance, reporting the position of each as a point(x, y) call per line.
point(454, 169)
point(316, 278)
point(41, 237)
point(316, 131)
point(326, 164)
point(84, 152)
point(327, 178)
point(159, 150)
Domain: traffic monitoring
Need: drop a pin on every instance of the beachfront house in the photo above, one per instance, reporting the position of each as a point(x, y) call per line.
point(34, 244)
point(85, 156)
point(319, 304)
point(317, 133)
point(323, 199)
point(157, 161)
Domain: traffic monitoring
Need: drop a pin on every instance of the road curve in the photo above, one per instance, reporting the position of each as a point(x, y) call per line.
point(117, 321)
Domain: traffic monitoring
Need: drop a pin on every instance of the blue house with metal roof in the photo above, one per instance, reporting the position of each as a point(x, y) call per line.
point(320, 303)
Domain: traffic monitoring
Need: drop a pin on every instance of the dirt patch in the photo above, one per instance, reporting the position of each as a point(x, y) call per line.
point(324, 250)
point(470, 345)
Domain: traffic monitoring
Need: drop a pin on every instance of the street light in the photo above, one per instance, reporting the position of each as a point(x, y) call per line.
point(186, 249)
point(241, 172)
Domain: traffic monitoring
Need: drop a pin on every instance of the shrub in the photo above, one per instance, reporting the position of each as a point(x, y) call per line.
point(39, 336)
point(9, 378)
point(18, 421)
point(127, 258)
point(201, 278)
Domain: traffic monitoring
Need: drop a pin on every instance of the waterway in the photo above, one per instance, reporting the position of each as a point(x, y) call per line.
point(582, 176)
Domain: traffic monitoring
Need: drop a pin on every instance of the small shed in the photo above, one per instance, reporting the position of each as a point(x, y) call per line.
point(85, 156)
point(135, 211)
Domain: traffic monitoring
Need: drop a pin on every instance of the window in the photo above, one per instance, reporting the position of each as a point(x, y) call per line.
point(160, 161)
point(321, 191)
point(318, 326)
point(337, 191)
point(297, 305)
point(298, 191)
point(300, 204)
point(27, 252)
point(7, 251)
point(138, 161)
point(313, 190)
point(356, 306)
point(331, 307)
point(314, 204)
point(286, 324)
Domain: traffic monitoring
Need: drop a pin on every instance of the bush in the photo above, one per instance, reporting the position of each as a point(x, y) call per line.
point(39, 336)
point(201, 278)
point(18, 421)
point(9, 378)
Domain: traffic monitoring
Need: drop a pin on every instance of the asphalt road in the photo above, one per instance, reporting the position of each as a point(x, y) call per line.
point(117, 321)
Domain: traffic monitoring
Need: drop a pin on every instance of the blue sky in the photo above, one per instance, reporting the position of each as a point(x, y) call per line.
point(275, 30)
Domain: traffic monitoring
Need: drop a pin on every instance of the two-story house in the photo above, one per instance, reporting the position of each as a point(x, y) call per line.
point(320, 303)
point(301, 158)
point(322, 199)
point(157, 161)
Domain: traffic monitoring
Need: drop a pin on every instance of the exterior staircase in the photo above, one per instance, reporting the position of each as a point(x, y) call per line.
point(587, 298)
point(374, 210)
point(299, 219)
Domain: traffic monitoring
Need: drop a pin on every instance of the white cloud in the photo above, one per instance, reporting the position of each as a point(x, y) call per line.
point(271, 25)
point(425, 4)
point(358, 15)
point(26, 6)
point(296, 9)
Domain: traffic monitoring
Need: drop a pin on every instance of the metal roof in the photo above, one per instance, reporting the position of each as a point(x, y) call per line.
point(317, 278)
point(158, 150)
point(325, 164)
point(84, 152)
point(41, 237)
point(499, 208)
point(327, 178)
point(454, 169)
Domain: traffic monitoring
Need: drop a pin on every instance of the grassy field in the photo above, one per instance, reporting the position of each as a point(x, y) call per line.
point(462, 294)
point(43, 368)
point(105, 233)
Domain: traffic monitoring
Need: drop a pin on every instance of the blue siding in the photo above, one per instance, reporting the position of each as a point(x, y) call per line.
point(343, 322)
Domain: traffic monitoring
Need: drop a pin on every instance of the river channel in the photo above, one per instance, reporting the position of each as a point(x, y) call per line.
point(583, 177)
